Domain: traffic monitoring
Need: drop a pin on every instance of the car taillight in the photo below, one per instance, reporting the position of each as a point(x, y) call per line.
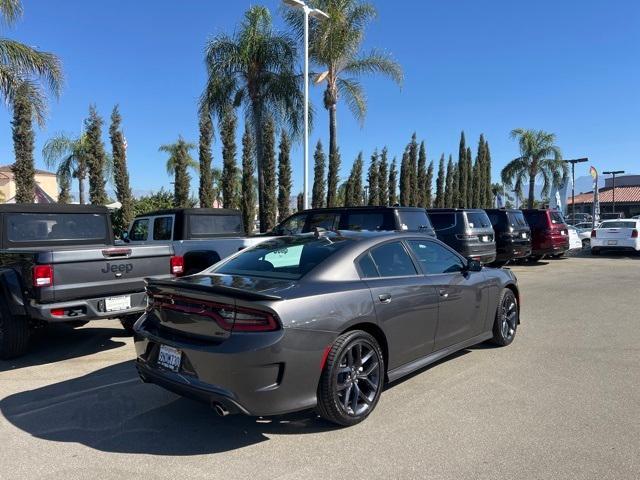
point(634, 233)
point(593, 233)
point(57, 312)
point(228, 317)
point(177, 265)
point(42, 275)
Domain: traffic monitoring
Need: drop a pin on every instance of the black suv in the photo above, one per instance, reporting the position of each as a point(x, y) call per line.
point(410, 219)
point(513, 235)
point(468, 231)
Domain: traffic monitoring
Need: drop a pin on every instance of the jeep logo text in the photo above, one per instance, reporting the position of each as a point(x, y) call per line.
point(121, 268)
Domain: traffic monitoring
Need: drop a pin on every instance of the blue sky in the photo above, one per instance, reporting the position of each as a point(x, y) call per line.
point(570, 67)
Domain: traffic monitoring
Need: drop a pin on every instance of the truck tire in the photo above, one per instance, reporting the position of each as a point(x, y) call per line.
point(14, 334)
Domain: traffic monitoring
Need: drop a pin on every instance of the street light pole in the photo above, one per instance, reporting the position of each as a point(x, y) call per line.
point(318, 14)
point(613, 173)
point(573, 183)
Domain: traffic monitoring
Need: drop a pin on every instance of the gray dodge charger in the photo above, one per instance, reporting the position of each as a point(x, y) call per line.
point(319, 320)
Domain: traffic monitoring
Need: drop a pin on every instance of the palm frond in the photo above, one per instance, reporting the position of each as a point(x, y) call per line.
point(11, 11)
point(375, 62)
point(28, 61)
point(354, 95)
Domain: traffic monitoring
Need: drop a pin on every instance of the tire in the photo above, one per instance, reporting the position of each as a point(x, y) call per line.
point(14, 335)
point(595, 251)
point(128, 321)
point(507, 319)
point(341, 370)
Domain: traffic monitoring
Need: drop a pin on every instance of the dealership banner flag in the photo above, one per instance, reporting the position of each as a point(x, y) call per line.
point(596, 197)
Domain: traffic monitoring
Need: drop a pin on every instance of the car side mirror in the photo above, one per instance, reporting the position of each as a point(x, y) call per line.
point(473, 265)
point(125, 236)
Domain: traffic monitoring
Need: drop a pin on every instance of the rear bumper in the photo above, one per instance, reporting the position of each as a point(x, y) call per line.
point(483, 253)
point(621, 244)
point(512, 251)
point(257, 374)
point(86, 309)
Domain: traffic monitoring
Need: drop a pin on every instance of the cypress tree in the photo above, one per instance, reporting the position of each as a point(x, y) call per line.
point(332, 177)
point(372, 180)
point(248, 183)
point(23, 137)
point(469, 182)
point(347, 191)
point(422, 177)
point(383, 178)
point(476, 201)
point(96, 157)
point(448, 184)
point(488, 200)
point(479, 175)
point(284, 177)
point(300, 201)
point(354, 195)
point(318, 190)
point(205, 190)
point(413, 166)
point(229, 169)
point(405, 180)
point(182, 177)
point(429, 186)
point(440, 184)
point(463, 176)
point(269, 176)
point(64, 179)
point(455, 181)
point(120, 171)
point(393, 183)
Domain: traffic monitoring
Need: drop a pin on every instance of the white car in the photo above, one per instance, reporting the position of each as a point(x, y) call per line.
point(616, 235)
point(574, 238)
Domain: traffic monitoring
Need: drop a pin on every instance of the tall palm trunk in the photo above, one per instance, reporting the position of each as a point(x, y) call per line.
point(333, 148)
point(532, 185)
point(81, 176)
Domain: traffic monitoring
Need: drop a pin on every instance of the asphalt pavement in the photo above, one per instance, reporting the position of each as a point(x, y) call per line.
point(562, 402)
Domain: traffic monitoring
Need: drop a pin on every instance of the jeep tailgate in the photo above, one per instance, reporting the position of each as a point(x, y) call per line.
point(103, 271)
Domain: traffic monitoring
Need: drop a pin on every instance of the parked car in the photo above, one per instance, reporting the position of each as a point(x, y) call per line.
point(577, 218)
point(201, 236)
point(409, 219)
point(584, 232)
point(549, 234)
point(319, 320)
point(616, 235)
point(575, 242)
point(512, 234)
point(58, 264)
point(586, 226)
point(467, 231)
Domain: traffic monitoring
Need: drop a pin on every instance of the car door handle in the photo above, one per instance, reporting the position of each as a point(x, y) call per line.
point(385, 297)
point(443, 293)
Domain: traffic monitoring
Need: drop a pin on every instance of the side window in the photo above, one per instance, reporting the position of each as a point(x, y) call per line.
point(139, 230)
point(328, 221)
point(442, 221)
point(292, 226)
point(162, 228)
point(435, 258)
point(367, 267)
point(372, 221)
point(392, 260)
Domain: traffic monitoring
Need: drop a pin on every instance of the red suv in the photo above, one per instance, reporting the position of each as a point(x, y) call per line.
point(549, 233)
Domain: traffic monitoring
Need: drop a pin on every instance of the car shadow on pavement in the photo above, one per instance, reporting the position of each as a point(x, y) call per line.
point(113, 411)
point(55, 343)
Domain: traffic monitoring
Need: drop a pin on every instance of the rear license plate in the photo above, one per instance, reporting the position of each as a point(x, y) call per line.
point(524, 235)
point(169, 358)
point(612, 242)
point(485, 238)
point(114, 304)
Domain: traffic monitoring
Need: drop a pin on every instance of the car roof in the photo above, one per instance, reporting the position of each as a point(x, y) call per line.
point(360, 207)
point(451, 210)
point(51, 208)
point(191, 211)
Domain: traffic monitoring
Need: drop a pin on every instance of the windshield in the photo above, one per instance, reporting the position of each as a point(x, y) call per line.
point(288, 257)
point(618, 224)
point(55, 227)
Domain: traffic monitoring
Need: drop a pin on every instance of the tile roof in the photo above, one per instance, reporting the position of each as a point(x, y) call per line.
point(7, 168)
point(623, 195)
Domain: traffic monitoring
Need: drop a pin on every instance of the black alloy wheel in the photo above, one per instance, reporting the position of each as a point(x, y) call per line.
point(507, 319)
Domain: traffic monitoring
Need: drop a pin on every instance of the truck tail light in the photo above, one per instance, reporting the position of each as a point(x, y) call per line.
point(42, 275)
point(593, 233)
point(57, 312)
point(176, 265)
point(634, 233)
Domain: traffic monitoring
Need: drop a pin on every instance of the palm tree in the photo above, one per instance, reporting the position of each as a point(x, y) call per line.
point(334, 44)
point(254, 68)
point(539, 157)
point(178, 164)
point(69, 155)
point(173, 149)
point(21, 65)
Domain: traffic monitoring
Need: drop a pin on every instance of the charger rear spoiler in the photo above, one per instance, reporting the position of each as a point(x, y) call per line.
point(178, 285)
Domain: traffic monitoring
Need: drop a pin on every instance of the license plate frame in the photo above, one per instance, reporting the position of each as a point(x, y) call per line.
point(169, 358)
point(612, 242)
point(117, 304)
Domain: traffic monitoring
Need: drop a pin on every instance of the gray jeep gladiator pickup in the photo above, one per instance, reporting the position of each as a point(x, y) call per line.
point(58, 263)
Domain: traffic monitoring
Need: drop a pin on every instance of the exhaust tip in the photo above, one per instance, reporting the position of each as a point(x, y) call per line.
point(220, 409)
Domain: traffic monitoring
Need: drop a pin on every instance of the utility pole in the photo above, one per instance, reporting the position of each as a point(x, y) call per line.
point(613, 173)
point(573, 183)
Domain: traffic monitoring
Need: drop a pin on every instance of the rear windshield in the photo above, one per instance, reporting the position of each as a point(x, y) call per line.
point(556, 218)
point(537, 219)
point(413, 221)
point(618, 225)
point(288, 257)
point(516, 219)
point(442, 221)
point(210, 225)
point(478, 220)
point(55, 228)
